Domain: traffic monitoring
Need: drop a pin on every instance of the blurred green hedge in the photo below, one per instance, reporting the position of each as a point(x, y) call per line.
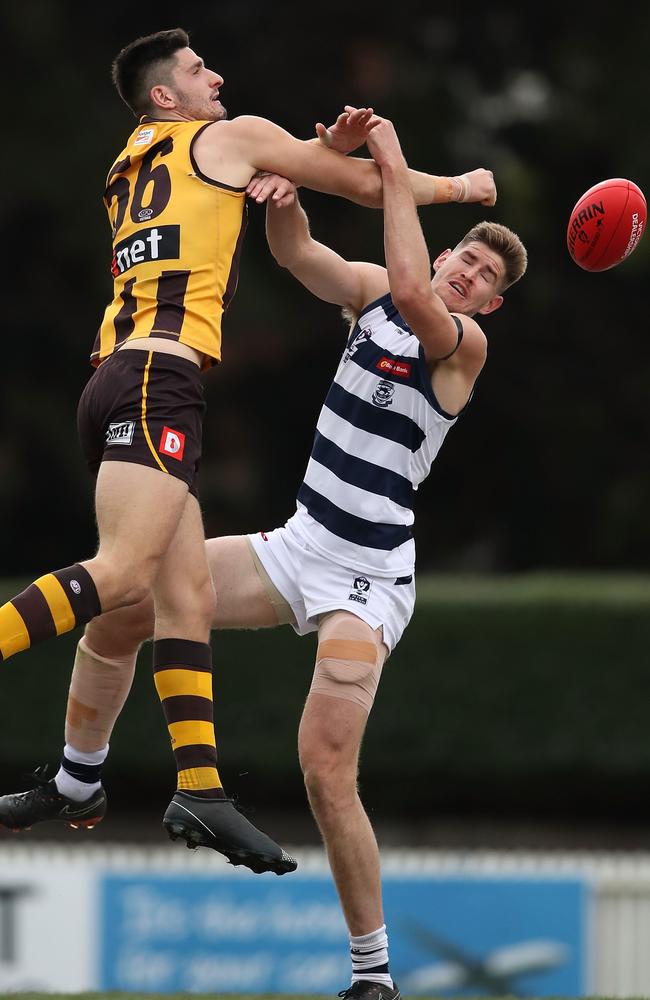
point(514, 695)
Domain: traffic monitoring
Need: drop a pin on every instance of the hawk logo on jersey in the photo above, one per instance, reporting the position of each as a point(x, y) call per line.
point(382, 396)
point(360, 587)
point(159, 243)
point(120, 433)
point(354, 343)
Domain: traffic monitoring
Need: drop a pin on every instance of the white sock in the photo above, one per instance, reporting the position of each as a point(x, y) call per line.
point(369, 954)
point(78, 777)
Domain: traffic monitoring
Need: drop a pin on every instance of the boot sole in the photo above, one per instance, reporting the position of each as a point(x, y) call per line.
point(82, 824)
point(258, 863)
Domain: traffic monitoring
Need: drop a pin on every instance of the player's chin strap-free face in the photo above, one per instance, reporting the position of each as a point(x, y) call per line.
point(349, 659)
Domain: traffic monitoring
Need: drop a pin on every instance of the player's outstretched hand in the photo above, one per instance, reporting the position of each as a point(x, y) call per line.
point(383, 144)
point(482, 188)
point(279, 190)
point(349, 131)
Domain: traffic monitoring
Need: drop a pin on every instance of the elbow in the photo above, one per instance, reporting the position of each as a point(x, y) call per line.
point(286, 252)
point(411, 299)
point(281, 257)
point(285, 261)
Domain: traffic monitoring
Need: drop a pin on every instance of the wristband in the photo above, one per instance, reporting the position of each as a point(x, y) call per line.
point(462, 188)
point(452, 189)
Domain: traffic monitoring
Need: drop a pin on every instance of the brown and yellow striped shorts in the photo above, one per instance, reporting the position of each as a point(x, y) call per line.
point(144, 407)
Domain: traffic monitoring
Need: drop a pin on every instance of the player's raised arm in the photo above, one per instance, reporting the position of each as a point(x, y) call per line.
point(322, 271)
point(258, 144)
point(407, 256)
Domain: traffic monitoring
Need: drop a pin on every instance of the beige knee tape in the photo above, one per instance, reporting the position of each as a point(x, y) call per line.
point(281, 606)
point(349, 660)
point(98, 690)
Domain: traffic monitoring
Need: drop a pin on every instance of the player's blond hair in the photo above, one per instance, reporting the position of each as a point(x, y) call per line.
point(503, 241)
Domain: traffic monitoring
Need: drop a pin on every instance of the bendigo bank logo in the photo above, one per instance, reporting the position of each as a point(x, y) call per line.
point(159, 243)
point(395, 367)
point(172, 443)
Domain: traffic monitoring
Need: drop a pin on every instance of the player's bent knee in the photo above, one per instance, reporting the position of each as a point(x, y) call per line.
point(196, 601)
point(85, 651)
point(120, 582)
point(203, 597)
point(119, 634)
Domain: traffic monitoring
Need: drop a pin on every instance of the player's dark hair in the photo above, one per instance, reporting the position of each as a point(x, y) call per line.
point(503, 241)
point(143, 63)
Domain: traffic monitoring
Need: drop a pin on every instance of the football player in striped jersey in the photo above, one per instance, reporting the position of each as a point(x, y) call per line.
point(175, 198)
point(343, 565)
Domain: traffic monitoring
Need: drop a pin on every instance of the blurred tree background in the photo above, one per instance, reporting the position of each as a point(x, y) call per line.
point(548, 468)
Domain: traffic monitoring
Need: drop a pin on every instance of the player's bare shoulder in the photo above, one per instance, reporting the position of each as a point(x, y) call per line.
point(472, 349)
point(453, 378)
point(220, 154)
point(373, 282)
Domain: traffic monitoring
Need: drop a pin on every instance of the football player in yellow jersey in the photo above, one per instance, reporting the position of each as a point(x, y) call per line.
point(175, 198)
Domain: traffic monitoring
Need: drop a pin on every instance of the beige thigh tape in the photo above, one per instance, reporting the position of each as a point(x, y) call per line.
point(348, 666)
point(281, 606)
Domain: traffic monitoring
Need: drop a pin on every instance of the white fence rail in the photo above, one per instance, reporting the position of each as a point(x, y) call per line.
point(49, 894)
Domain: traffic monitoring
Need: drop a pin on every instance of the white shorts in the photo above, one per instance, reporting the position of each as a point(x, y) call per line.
point(312, 584)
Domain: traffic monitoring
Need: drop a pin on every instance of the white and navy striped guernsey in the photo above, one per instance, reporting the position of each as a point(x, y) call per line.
point(378, 432)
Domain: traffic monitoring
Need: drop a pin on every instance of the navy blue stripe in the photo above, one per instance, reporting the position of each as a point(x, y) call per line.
point(392, 426)
point(370, 354)
point(372, 534)
point(420, 374)
point(394, 316)
point(365, 475)
point(384, 300)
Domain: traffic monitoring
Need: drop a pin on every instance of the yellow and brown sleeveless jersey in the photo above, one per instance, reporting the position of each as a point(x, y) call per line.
point(177, 239)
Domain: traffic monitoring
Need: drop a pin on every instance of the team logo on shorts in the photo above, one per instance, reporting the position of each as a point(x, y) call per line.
point(382, 396)
point(172, 443)
point(120, 433)
point(360, 588)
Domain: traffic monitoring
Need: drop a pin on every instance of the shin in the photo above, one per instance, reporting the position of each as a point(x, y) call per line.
point(349, 660)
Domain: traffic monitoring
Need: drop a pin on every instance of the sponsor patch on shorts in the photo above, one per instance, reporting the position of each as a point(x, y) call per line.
point(172, 443)
point(121, 433)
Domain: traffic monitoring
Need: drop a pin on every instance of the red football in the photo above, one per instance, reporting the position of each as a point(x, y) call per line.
point(606, 224)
